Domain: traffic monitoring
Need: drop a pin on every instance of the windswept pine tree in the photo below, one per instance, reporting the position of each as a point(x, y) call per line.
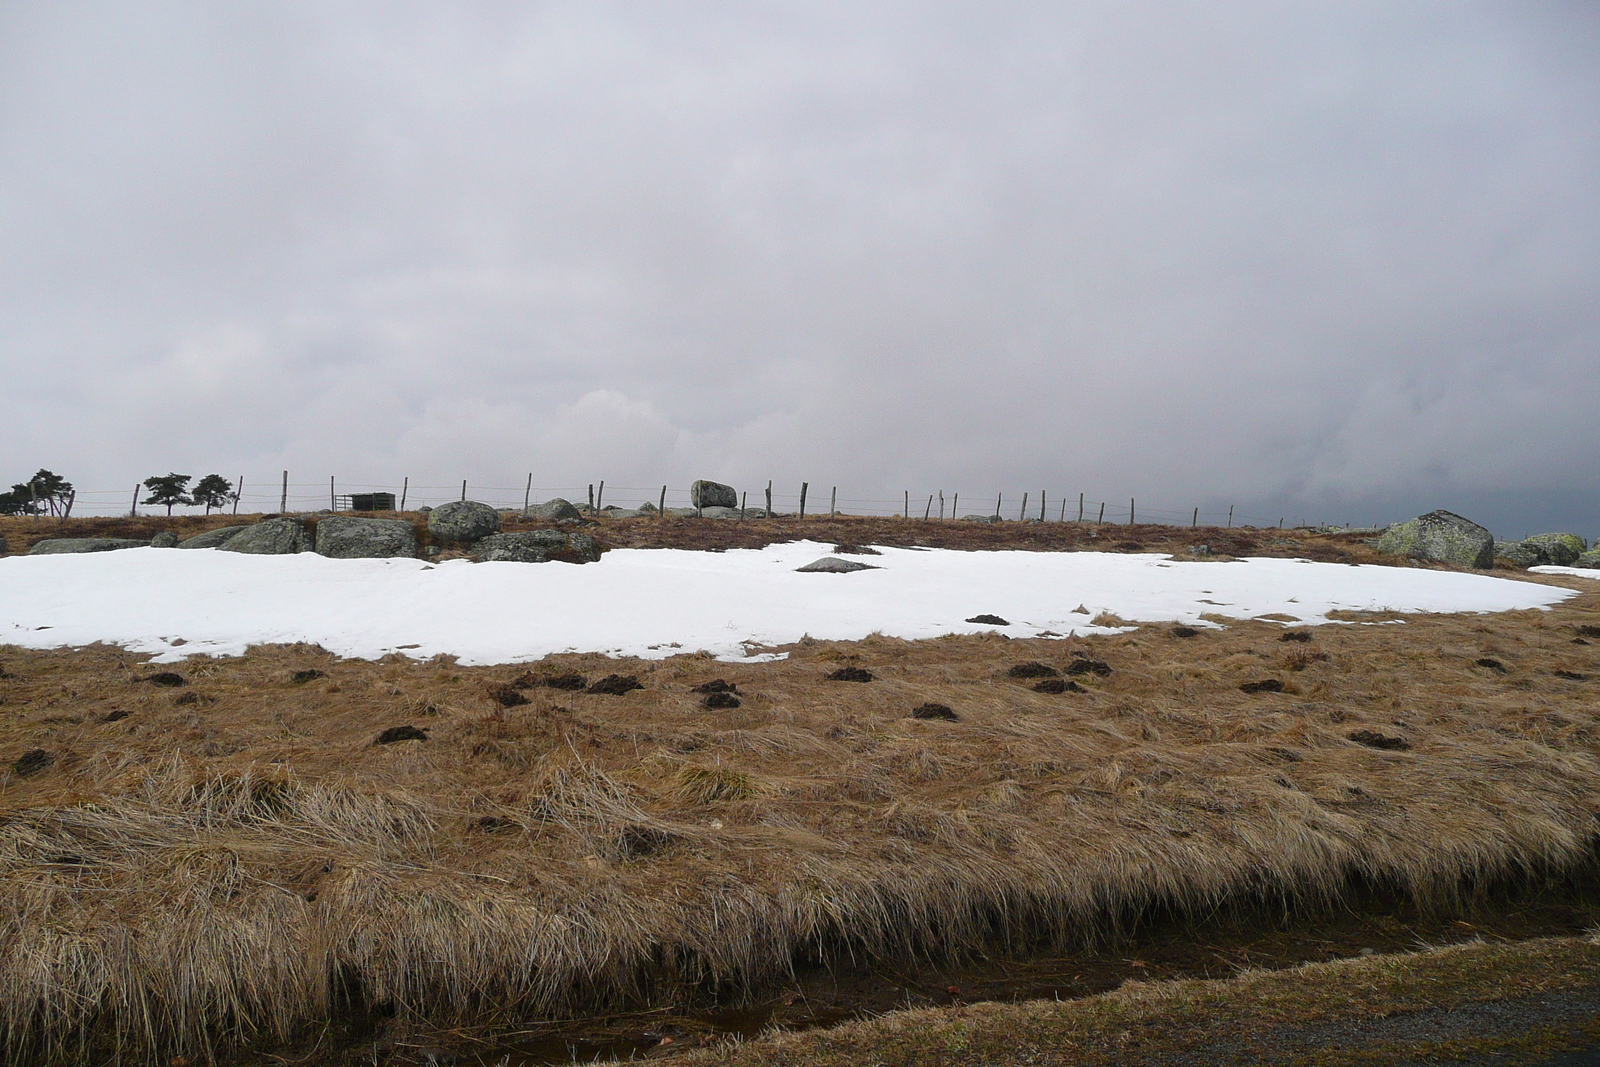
point(169, 490)
point(212, 491)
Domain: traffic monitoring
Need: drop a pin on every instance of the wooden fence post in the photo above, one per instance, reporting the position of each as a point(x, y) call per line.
point(906, 514)
point(283, 500)
point(769, 498)
point(1022, 512)
point(591, 498)
point(833, 503)
point(527, 495)
point(1063, 509)
point(600, 497)
point(1130, 511)
point(955, 502)
point(997, 498)
point(1041, 505)
point(133, 512)
point(1194, 523)
point(463, 489)
point(941, 505)
point(1230, 516)
point(927, 511)
point(237, 493)
point(405, 487)
point(744, 498)
point(1080, 507)
point(333, 501)
point(803, 487)
point(1102, 517)
point(661, 510)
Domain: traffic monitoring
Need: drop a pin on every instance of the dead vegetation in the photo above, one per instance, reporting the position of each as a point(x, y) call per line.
point(178, 877)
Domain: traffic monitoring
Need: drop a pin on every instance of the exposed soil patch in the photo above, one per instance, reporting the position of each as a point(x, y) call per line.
point(310, 674)
point(850, 674)
point(1085, 665)
point(32, 762)
point(720, 700)
point(934, 711)
point(615, 685)
point(1058, 685)
point(1296, 635)
point(166, 678)
point(716, 685)
point(988, 620)
point(400, 733)
point(1033, 669)
point(1184, 631)
point(1373, 739)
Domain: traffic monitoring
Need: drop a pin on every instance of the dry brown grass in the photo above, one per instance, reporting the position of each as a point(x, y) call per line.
point(233, 859)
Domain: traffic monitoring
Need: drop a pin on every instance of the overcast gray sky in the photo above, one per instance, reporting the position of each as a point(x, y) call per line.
point(1330, 260)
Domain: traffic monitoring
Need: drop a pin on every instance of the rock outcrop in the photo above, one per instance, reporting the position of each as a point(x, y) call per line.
point(537, 546)
point(1440, 537)
point(463, 522)
point(272, 537)
point(211, 538)
point(704, 494)
point(1543, 550)
point(348, 537)
point(61, 546)
point(555, 510)
point(834, 565)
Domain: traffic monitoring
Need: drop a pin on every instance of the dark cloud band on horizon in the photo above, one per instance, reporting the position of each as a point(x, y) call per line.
point(1309, 257)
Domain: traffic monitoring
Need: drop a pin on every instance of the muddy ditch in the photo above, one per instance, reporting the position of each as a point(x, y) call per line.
point(1150, 947)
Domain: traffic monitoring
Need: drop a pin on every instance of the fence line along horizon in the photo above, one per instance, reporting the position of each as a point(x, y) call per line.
point(280, 495)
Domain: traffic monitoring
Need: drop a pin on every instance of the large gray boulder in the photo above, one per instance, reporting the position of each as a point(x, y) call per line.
point(211, 538)
point(704, 494)
point(272, 537)
point(348, 537)
point(555, 510)
point(1440, 537)
point(1546, 549)
point(537, 546)
point(463, 522)
point(719, 512)
point(835, 565)
point(61, 546)
point(164, 539)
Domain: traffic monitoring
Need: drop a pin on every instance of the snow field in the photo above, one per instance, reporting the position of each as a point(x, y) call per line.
point(658, 602)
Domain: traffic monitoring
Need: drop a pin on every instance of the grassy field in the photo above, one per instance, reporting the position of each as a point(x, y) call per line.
point(220, 853)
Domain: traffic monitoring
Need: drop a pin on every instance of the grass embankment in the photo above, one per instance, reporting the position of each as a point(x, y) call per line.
point(1513, 1004)
point(233, 858)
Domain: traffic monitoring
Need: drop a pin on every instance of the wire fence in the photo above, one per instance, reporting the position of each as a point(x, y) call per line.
point(282, 495)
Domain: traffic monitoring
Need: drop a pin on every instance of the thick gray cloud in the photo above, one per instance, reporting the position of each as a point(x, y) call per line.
point(1327, 261)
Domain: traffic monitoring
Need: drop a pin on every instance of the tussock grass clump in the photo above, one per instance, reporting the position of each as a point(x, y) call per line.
point(182, 879)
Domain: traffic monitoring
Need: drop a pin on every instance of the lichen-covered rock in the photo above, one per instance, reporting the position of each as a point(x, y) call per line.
point(273, 537)
point(1555, 549)
point(719, 512)
point(164, 539)
point(555, 510)
point(211, 538)
point(537, 546)
point(1521, 554)
point(704, 494)
point(1440, 537)
point(349, 537)
point(463, 522)
point(1590, 560)
point(60, 546)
